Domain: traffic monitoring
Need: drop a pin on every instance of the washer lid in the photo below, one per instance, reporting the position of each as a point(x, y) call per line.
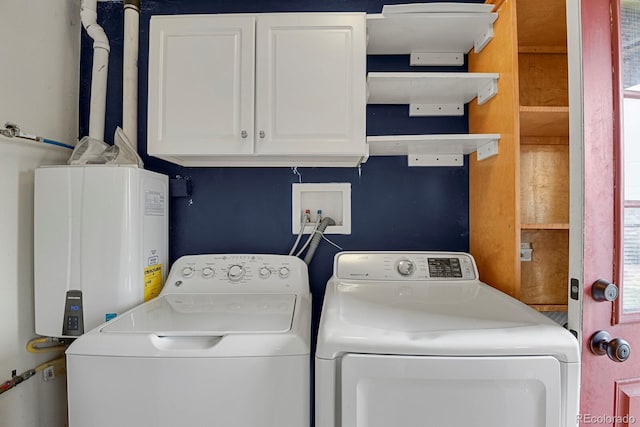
point(208, 315)
point(436, 318)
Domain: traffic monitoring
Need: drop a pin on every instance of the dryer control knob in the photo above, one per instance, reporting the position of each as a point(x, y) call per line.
point(207, 272)
point(283, 272)
point(405, 267)
point(236, 272)
point(187, 272)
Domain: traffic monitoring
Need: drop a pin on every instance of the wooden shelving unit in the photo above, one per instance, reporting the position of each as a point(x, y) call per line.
point(532, 114)
point(544, 150)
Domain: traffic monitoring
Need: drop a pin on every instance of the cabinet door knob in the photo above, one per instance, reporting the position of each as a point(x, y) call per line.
point(243, 134)
point(601, 290)
point(617, 349)
point(261, 134)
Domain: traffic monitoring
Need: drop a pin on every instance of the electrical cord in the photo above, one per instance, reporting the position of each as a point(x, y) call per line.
point(330, 242)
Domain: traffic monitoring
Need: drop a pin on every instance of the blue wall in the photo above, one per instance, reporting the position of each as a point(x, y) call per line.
point(248, 210)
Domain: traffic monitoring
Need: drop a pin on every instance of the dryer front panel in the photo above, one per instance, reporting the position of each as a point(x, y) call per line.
point(421, 391)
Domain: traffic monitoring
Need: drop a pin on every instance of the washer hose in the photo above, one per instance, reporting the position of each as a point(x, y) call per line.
point(315, 241)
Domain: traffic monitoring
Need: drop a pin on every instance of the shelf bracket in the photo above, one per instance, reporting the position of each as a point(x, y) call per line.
point(437, 58)
point(487, 150)
point(421, 110)
point(435, 159)
point(483, 40)
point(487, 92)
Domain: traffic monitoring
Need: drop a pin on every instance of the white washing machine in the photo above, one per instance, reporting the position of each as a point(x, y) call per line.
point(226, 343)
point(414, 339)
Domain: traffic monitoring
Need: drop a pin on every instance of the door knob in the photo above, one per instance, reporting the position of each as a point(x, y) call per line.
point(601, 290)
point(617, 349)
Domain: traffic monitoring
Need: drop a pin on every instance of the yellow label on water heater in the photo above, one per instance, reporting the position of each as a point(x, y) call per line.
point(152, 281)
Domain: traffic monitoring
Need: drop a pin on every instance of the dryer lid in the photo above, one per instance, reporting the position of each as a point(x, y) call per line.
point(208, 315)
point(438, 318)
point(428, 307)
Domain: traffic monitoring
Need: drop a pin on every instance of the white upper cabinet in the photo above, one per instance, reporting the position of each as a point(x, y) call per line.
point(258, 90)
point(201, 73)
point(310, 90)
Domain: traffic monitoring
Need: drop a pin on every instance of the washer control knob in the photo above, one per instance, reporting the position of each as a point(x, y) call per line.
point(187, 272)
point(284, 272)
point(264, 272)
point(207, 272)
point(405, 267)
point(236, 272)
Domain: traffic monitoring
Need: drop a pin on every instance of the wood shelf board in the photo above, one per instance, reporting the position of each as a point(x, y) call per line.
point(542, 22)
point(555, 226)
point(545, 278)
point(544, 140)
point(397, 145)
point(541, 109)
point(426, 88)
point(544, 184)
point(402, 34)
point(543, 49)
point(550, 307)
point(544, 121)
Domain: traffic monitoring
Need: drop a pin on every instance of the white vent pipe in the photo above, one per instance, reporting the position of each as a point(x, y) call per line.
point(100, 68)
point(130, 71)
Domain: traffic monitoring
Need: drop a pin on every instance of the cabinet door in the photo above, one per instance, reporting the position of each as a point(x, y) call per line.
point(310, 84)
point(201, 85)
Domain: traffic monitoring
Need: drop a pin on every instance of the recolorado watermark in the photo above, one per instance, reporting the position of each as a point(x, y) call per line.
point(606, 419)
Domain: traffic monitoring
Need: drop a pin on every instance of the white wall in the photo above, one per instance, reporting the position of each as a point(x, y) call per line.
point(39, 75)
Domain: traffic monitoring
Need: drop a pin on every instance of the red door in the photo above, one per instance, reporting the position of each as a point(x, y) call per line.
point(604, 245)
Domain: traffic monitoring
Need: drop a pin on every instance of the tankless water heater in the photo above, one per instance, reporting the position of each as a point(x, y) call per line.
point(100, 244)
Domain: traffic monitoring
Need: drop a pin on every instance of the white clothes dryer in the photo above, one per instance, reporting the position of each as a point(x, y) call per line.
point(226, 343)
point(414, 339)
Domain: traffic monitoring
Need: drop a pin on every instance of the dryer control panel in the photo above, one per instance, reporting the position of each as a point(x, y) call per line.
point(238, 273)
point(435, 266)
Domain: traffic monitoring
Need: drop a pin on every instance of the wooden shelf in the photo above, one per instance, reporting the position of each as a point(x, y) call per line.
point(431, 93)
point(554, 226)
point(543, 49)
point(527, 185)
point(544, 121)
point(549, 307)
point(406, 33)
point(434, 150)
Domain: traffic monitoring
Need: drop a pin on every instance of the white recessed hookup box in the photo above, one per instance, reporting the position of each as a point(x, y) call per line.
point(333, 199)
